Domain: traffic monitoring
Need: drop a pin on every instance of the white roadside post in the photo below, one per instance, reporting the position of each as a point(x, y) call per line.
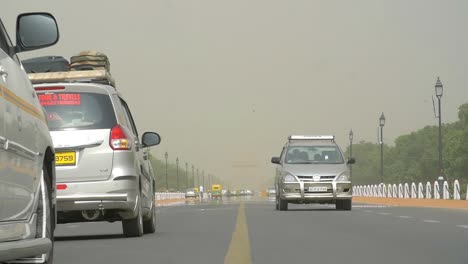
point(428, 190)
point(446, 191)
point(395, 191)
point(420, 191)
point(456, 190)
point(413, 190)
point(436, 190)
point(389, 190)
point(400, 191)
point(407, 191)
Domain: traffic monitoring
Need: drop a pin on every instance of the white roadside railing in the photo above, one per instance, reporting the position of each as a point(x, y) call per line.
point(169, 195)
point(412, 190)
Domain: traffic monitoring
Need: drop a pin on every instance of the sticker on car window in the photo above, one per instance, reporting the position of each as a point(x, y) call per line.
point(60, 99)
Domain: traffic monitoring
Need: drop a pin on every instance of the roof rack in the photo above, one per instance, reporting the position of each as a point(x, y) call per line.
point(309, 137)
point(90, 76)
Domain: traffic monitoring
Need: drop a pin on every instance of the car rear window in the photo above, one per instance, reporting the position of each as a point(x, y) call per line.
point(78, 111)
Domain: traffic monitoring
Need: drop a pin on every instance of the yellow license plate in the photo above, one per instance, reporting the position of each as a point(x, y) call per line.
point(65, 158)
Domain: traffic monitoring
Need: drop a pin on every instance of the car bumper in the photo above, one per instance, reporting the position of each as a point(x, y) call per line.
point(103, 195)
point(24, 248)
point(299, 192)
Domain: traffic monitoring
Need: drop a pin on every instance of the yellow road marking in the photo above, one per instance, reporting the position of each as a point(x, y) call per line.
point(239, 249)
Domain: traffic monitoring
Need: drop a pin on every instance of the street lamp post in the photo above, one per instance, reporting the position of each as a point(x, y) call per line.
point(193, 175)
point(381, 124)
point(167, 184)
point(186, 175)
point(198, 178)
point(439, 88)
point(177, 173)
point(351, 135)
point(203, 179)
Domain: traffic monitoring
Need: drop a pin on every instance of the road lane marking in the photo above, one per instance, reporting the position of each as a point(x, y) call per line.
point(239, 249)
point(368, 211)
point(431, 221)
point(405, 216)
point(464, 226)
point(384, 213)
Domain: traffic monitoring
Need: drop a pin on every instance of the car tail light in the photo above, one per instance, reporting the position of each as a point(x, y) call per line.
point(49, 88)
point(61, 186)
point(118, 139)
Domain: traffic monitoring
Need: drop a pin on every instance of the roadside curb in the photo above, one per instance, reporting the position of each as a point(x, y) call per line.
point(170, 202)
point(450, 204)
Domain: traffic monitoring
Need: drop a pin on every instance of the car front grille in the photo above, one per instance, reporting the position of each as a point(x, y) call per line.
point(323, 178)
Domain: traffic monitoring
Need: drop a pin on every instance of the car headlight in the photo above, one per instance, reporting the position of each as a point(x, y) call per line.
point(289, 178)
point(343, 177)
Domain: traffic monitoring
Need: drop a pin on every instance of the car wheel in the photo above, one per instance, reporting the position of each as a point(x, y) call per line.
point(149, 225)
point(339, 204)
point(45, 217)
point(134, 227)
point(347, 205)
point(283, 205)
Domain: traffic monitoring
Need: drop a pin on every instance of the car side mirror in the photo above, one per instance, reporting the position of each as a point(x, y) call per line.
point(150, 139)
point(35, 31)
point(275, 160)
point(351, 161)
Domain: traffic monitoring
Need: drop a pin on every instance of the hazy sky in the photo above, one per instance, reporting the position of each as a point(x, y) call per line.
point(226, 81)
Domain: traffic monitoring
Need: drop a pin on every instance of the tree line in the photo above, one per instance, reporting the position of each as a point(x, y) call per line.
point(414, 157)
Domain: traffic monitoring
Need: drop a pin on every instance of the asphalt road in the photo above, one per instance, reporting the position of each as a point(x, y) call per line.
point(253, 232)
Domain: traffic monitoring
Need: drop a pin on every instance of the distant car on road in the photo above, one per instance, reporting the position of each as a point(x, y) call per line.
point(27, 168)
point(271, 192)
point(191, 193)
point(311, 169)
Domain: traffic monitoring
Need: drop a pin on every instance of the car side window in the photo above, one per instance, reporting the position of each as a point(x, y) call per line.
point(4, 40)
point(282, 153)
point(129, 114)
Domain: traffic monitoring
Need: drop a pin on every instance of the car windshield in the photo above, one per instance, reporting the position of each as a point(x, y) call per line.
point(78, 111)
point(314, 155)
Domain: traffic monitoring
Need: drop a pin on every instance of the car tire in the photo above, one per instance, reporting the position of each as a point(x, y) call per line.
point(283, 205)
point(134, 227)
point(45, 216)
point(347, 205)
point(339, 204)
point(149, 225)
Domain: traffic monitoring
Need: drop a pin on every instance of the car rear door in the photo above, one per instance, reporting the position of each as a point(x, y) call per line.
point(80, 119)
point(146, 179)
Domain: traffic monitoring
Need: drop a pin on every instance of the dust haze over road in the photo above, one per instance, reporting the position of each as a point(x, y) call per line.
point(225, 82)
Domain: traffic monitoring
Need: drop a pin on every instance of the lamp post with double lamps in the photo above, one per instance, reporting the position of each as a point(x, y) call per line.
point(177, 173)
point(439, 89)
point(351, 135)
point(186, 175)
point(381, 124)
point(167, 184)
point(193, 175)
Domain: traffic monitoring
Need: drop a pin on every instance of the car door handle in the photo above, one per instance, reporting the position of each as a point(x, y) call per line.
point(3, 73)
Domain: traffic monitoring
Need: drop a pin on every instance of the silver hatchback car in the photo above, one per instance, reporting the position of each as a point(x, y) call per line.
point(103, 170)
point(311, 169)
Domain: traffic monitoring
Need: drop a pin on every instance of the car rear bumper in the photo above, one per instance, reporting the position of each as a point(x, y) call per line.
point(101, 195)
point(24, 248)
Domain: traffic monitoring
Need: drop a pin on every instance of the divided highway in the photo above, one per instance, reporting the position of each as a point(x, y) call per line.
point(251, 231)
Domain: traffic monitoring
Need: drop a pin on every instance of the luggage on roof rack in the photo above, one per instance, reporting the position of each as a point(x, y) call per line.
point(46, 64)
point(91, 76)
point(90, 60)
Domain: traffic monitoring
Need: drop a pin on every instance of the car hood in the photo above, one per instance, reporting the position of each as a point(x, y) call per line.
point(314, 169)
